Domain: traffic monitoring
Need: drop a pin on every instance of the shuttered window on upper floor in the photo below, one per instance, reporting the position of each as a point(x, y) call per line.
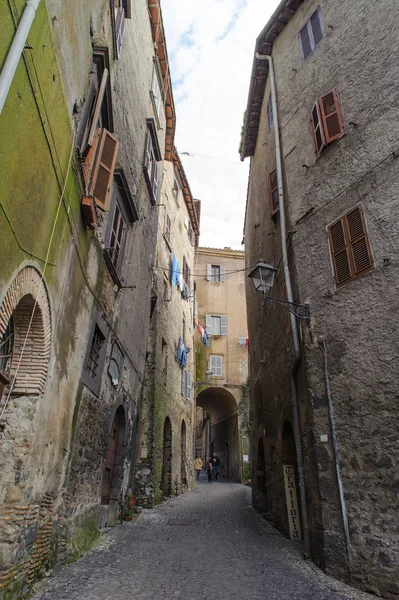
point(326, 119)
point(350, 247)
point(273, 193)
point(311, 34)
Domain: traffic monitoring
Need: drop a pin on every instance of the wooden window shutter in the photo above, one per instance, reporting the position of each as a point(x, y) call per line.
point(350, 247)
point(208, 323)
point(359, 244)
point(340, 254)
point(273, 193)
point(331, 116)
point(306, 44)
point(147, 153)
point(97, 108)
point(209, 272)
point(317, 128)
point(119, 31)
point(223, 325)
point(104, 169)
point(222, 274)
point(188, 385)
point(183, 382)
point(88, 164)
point(316, 26)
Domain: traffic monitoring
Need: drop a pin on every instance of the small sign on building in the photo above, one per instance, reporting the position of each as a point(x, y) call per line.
point(292, 502)
point(245, 458)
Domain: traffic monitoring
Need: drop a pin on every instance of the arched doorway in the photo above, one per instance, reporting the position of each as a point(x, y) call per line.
point(166, 477)
point(113, 468)
point(183, 457)
point(261, 503)
point(288, 457)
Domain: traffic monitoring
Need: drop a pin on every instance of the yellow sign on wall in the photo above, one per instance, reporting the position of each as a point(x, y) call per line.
point(292, 502)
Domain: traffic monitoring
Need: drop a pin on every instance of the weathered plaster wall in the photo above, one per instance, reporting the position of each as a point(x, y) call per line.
point(162, 396)
point(357, 320)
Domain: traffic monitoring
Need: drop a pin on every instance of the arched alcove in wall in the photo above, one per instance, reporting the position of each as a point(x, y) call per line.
point(25, 319)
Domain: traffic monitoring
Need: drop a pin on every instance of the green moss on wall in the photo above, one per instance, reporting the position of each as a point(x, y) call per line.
point(84, 536)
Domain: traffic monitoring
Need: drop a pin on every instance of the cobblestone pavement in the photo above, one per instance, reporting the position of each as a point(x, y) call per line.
point(209, 544)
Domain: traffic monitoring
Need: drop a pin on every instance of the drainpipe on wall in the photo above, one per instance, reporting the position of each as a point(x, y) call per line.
point(294, 330)
point(17, 47)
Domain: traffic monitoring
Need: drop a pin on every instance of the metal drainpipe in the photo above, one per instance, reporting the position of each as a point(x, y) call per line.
point(17, 47)
point(294, 330)
point(337, 459)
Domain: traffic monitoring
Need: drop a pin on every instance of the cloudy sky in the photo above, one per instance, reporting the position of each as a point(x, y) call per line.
point(210, 47)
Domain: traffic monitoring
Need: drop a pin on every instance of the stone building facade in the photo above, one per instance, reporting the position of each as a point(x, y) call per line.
point(165, 459)
point(87, 123)
point(222, 367)
point(336, 87)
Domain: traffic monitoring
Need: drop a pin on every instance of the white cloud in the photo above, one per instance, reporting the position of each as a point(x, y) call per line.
point(210, 46)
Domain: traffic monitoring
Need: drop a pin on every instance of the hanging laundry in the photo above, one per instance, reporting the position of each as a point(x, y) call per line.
point(174, 271)
point(182, 352)
point(206, 339)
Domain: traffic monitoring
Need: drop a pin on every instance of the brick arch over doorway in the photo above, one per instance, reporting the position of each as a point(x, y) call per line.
point(27, 302)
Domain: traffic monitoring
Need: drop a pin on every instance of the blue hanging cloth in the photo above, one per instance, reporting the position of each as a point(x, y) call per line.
point(174, 271)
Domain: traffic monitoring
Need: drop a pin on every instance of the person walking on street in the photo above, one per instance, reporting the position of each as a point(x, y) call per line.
point(215, 465)
point(198, 464)
point(209, 469)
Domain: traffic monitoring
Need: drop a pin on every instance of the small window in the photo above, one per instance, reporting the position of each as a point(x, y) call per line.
point(95, 355)
point(186, 272)
point(269, 114)
point(186, 384)
point(215, 273)
point(349, 246)
point(326, 121)
point(156, 91)
point(311, 34)
point(122, 212)
point(167, 230)
point(119, 29)
point(216, 324)
point(152, 156)
point(273, 194)
point(216, 365)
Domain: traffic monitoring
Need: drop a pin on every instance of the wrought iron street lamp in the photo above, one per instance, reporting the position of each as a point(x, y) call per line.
point(262, 276)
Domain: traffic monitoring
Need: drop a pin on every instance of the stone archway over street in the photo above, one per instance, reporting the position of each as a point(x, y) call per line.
point(221, 434)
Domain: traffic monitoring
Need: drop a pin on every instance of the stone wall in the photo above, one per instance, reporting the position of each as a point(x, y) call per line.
point(356, 320)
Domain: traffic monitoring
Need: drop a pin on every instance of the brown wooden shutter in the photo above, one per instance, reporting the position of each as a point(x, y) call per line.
point(90, 158)
point(350, 247)
point(340, 254)
point(104, 169)
point(97, 107)
point(359, 244)
point(331, 116)
point(273, 193)
point(317, 128)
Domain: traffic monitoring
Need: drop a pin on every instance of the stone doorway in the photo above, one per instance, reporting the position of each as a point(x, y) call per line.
point(166, 477)
point(113, 471)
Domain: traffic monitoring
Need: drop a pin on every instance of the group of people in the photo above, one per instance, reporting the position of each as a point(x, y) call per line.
point(212, 467)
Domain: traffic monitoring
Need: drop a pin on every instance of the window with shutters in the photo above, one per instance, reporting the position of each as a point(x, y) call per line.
point(157, 95)
point(216, 324)
point(122, 215)
point(95, 355)
point(273, 194)
point(269, 115)
point(326, 119)
point(186, 384)
point(349, 246)
point(97, 109)
point(216, 365)
point(186, 272)
point(152, 156)
point(311, 34)
point(215, 273)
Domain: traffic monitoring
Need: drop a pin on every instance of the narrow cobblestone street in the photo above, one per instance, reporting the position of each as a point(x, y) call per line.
point(208, 544)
